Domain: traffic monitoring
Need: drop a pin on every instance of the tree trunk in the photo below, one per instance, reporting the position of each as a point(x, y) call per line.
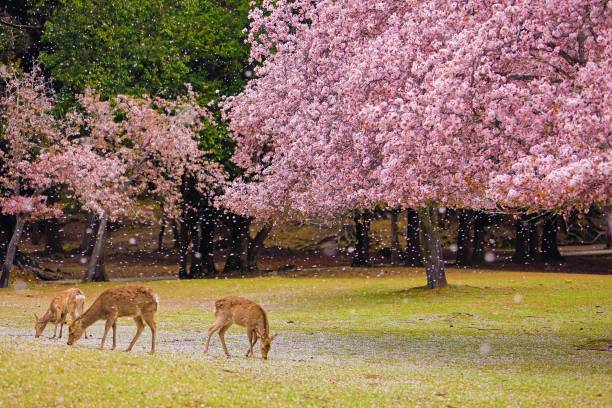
point(414, 257)
point(7, 226)
point(202, 257)
point(160, 236)
point(522, 252)
point(534, 241)
point(238, 247)
point(95, 268)
point(100, 273)
point(432, 248)
point(54, 237)
point(11, 250)
point(175, 235)
point(608, 215)
point(89, 234)
point(463, 237)
point(361, 256)
point(255, 246)
point(395, 248)
point(550, 249)
point(183, 241)
point(195, 269)
point(478, 254)
point(207, 246)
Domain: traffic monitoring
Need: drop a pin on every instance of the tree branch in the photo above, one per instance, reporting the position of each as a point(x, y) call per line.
point(21, 27)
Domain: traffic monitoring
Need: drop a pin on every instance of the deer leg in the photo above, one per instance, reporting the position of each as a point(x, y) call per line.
point(54, 331)
point(250, 336)
point(252, 342)
point(62, 323)
point(222, 337)
point(139, 328)
point(109, 323)
point(107, 327)
point(150, 320)
point(211, 330)
point(255, 337)
point(114, 334)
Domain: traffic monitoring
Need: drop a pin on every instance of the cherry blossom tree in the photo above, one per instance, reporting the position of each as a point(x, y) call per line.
point(466, 104)
point(135, 146)
point(27, 131)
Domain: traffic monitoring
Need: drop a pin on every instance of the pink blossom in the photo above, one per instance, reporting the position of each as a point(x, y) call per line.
point(465, 104)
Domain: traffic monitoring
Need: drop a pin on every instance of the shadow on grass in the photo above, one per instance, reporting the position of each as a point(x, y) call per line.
point(448, 292)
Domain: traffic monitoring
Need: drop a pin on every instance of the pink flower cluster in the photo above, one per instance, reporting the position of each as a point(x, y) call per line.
point(27, 129)
point(108, 155)
point(408, 103)
point(136, 146)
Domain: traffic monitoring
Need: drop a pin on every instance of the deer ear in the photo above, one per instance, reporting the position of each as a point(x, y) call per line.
point(36, 317)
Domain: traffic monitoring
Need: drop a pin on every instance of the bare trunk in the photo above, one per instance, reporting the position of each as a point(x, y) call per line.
point(478, 255)
point(160, 236)
point(183, 241)
point(395, 248)
point(414, 256)
point(11, 250)
point(609, 226)
point(175, 235)
point(237, 257)
point(523, 252)
point(463, 237)
point(361, 256)
point(195, 269)
point(550, 249)
point(534, 241)
point(94, 261)
point(89, 234)
point(100, 274)
point(255, 246)
point(432, 248)
point(7, 225)
point(207, 247)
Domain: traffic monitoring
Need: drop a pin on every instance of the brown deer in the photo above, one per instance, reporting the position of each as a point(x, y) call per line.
point(68, 302)
point(245, 313)
point(138, 302)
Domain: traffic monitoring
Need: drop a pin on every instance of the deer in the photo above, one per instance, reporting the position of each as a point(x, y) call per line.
point(138, 302)
point(68, 302)
point(245, 313)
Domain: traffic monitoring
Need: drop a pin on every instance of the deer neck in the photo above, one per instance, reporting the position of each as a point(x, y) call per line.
point(47, 317)
point(263, 330)
point(90, 316)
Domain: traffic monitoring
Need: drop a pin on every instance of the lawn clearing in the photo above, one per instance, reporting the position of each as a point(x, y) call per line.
point(492, 339)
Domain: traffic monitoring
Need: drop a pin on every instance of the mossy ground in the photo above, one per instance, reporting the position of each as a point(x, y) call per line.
point(491, 339)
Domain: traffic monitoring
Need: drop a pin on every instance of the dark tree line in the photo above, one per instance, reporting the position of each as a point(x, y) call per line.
point(535, 238)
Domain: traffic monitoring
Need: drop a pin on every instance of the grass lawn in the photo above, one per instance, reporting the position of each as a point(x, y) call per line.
point(491, 339)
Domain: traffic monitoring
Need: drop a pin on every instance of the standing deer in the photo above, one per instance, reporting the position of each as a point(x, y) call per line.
point(138, 302)
point(68, 302)
point(245, 313)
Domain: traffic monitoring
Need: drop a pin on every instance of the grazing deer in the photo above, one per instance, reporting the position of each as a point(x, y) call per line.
point(138, 302)
point(245, 313)
point(68, 302)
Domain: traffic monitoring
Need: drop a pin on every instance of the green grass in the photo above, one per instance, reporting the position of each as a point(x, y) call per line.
point(491, 339)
